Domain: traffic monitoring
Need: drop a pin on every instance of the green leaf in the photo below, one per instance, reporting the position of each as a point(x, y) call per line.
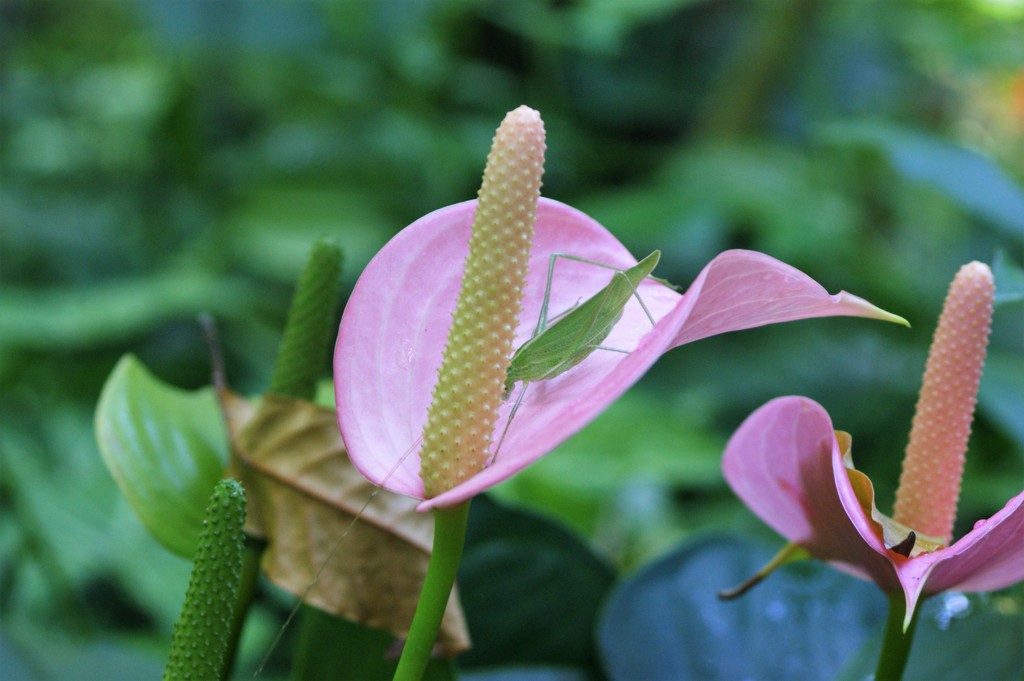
point(527, 673)
point(81, 316)
point(530, 589)
point(334, 648)
point(166, 449)
point(985, 640)
point(958, 636)
point(274, 223)
point(34, 652)
point(803, 622)
point(793, 207)
point(969, 178)
point(1009, 279)
point(1001, 396)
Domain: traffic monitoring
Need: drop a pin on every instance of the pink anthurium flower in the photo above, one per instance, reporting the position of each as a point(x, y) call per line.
point(795, 472)
point(396, 323)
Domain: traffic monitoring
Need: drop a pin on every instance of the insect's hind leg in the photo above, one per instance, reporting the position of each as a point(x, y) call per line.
point(636, 294)
point(508, 423)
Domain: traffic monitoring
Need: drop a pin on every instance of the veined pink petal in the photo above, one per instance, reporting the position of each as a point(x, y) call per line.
point(395, 325)
point(784, 462)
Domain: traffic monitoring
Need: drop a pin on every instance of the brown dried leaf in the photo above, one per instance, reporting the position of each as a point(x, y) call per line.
point(304, 495)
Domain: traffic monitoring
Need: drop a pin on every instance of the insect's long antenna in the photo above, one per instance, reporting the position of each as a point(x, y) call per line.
point(330, 555)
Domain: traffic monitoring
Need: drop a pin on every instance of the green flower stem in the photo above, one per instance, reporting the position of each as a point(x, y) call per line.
point(449, 536)
point(310, 325)
point(896, 644)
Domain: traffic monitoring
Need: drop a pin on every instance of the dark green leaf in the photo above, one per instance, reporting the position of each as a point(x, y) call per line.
point(83, 316)
point(1009, 279)
point(335, 649)
point(31, 653)
point(803, 622)
point(1001, 397)
point(330, 647)
point(522, 673)
point(530, 589)
point(971, 179)
point(958, 637)
point(985, 641)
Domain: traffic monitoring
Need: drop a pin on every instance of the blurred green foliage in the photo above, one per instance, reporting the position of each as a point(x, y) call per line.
point(158, 160)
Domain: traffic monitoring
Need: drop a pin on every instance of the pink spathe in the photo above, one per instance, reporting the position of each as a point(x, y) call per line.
point(395, 325)
point(788, 465)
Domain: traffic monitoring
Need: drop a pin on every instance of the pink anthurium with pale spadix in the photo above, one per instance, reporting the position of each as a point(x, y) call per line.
point(395, 326)
point(421, 366)
point(794, 471)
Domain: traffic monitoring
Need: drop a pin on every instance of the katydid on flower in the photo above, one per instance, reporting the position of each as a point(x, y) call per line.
point(570, 339)
point(575, 334)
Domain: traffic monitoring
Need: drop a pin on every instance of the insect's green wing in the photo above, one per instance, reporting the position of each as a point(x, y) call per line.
point(571, 339)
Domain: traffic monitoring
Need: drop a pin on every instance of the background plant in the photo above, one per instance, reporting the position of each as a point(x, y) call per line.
point(159, 160)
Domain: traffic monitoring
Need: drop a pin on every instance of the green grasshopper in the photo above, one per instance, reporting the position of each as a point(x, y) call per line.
point(575, 334)
point(558, 347)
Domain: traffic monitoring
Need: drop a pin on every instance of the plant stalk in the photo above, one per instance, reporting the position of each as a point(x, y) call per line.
point(896, 644)
point(449, 536)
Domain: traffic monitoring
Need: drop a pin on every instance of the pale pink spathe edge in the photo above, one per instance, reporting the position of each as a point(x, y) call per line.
point(395, 326)
point(393, 331)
